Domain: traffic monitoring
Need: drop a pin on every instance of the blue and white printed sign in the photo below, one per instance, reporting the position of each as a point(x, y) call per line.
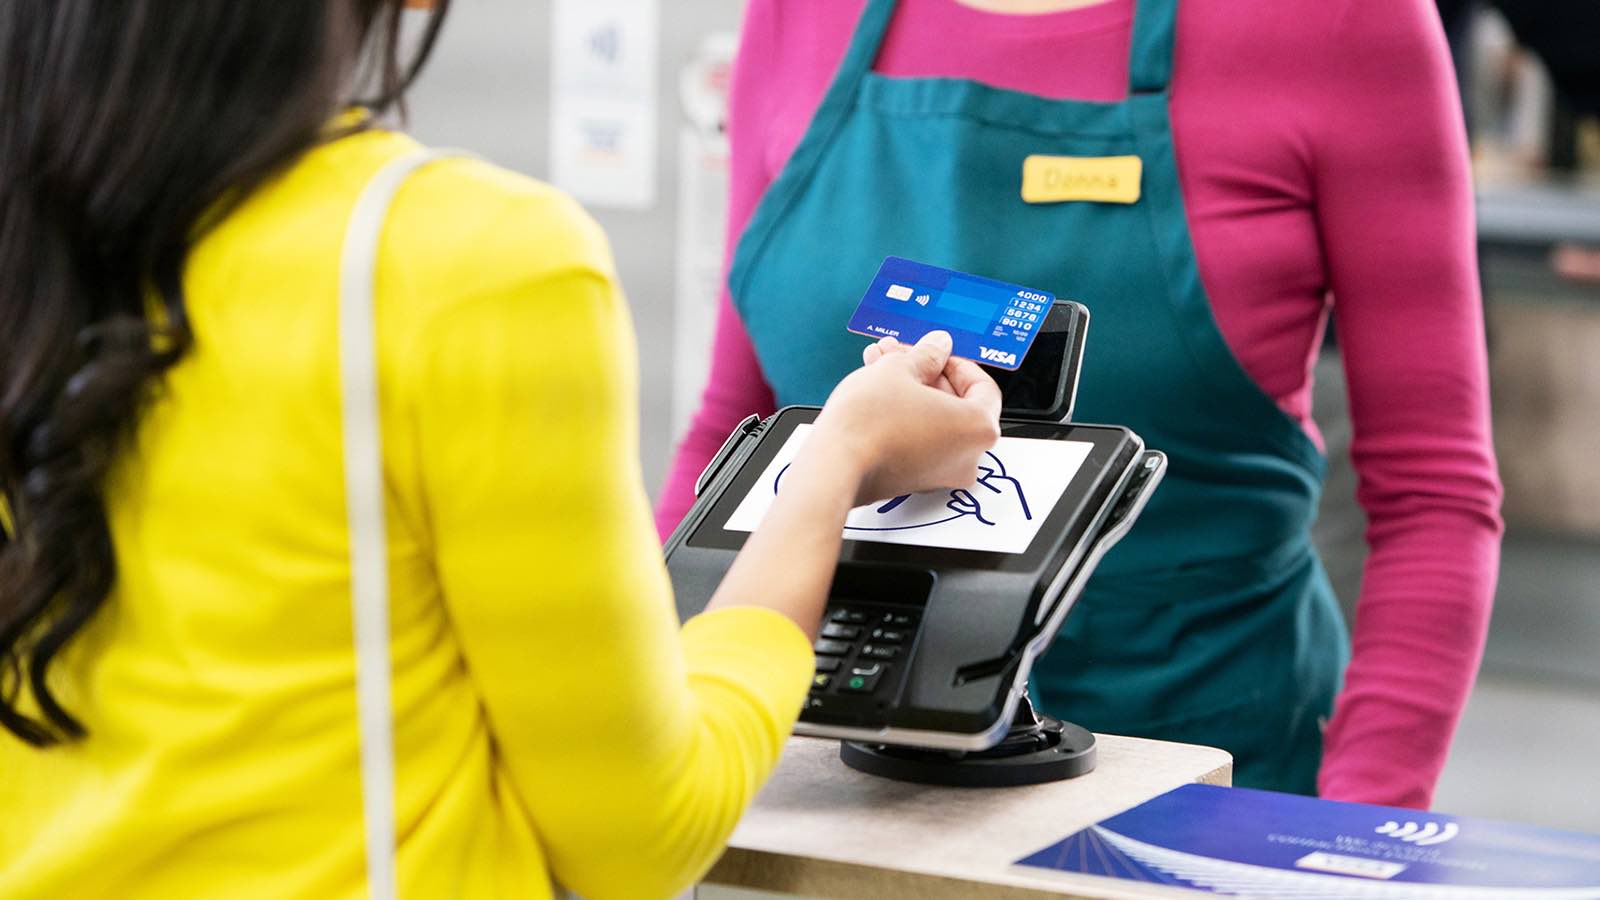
point(1266, 846)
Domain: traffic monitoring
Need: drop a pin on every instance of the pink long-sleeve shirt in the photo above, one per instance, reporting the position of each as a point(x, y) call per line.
point(1323, 164)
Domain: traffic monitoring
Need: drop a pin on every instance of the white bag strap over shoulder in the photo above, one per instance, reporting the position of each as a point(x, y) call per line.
point(363, 479)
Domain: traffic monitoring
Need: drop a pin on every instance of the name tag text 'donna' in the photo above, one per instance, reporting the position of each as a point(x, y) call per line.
point(1093, 179)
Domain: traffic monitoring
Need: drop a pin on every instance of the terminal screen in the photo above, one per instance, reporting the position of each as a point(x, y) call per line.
point(1019, 482)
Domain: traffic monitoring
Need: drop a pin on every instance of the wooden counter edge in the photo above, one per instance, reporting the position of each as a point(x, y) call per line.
point(802, 877)
point(810, 877)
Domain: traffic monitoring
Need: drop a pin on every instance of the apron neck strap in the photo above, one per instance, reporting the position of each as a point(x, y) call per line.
point(871, 29)
point(1150, 53)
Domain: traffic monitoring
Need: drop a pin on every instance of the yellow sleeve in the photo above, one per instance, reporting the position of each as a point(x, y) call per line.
point(633, 747)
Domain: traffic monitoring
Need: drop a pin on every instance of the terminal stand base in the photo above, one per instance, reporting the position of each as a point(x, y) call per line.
point(1038, 749)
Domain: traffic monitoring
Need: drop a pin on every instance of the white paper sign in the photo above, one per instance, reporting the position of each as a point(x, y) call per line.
point(603, 101)
point(1019, 483)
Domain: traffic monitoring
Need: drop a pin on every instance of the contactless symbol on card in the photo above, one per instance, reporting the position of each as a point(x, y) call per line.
point(989, 321)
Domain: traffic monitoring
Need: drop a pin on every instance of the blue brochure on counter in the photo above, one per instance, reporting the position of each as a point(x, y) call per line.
point(1243, 843)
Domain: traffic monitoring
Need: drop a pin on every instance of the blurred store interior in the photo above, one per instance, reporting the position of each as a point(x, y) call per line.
point(1530, 89)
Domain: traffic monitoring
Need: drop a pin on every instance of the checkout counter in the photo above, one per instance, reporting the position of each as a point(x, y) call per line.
point(821, 829)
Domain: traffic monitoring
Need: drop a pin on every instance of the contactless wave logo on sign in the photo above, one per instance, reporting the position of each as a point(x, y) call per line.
point(1422, 835)
point(1259, 845)
point(606, 43)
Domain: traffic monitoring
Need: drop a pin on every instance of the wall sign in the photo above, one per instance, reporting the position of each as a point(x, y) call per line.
point(603, 101)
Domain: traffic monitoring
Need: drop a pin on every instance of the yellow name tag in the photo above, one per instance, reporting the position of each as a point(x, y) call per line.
point(1097, 179)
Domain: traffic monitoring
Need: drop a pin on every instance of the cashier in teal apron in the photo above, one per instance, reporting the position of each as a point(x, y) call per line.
point(1213, 622)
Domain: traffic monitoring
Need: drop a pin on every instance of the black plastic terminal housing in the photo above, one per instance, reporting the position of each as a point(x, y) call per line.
point(951, 676)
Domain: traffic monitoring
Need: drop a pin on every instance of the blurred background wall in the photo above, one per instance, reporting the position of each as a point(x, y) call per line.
point(1528, 744)
point(487, 89)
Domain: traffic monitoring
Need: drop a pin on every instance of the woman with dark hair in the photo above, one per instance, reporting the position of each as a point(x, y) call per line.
point(178, 685)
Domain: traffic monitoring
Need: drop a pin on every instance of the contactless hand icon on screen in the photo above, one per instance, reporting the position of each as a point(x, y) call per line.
point(910, 512)
point(1020, 480)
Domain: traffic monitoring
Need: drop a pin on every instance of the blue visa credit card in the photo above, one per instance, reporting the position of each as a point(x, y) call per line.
point(991, 322)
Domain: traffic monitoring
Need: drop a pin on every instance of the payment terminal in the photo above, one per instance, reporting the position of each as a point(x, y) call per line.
point(941, 601)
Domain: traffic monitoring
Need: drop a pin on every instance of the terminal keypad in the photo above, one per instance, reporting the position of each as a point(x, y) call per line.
point(860, 651)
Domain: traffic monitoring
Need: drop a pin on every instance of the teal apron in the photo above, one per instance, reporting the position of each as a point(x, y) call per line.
point(1213, 622)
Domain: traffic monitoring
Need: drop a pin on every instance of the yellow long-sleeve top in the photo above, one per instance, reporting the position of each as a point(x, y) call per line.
point(552, 721)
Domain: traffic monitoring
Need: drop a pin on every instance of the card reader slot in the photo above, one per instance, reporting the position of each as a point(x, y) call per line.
point(749, 426)
point(989, 668)
point(881, 585)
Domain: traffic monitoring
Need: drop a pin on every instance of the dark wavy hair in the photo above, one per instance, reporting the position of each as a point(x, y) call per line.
point(125, 128)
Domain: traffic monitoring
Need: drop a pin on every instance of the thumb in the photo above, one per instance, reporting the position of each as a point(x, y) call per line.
point(928, 358)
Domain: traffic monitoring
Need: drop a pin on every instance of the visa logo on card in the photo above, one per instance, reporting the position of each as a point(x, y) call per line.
point(990, 321)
